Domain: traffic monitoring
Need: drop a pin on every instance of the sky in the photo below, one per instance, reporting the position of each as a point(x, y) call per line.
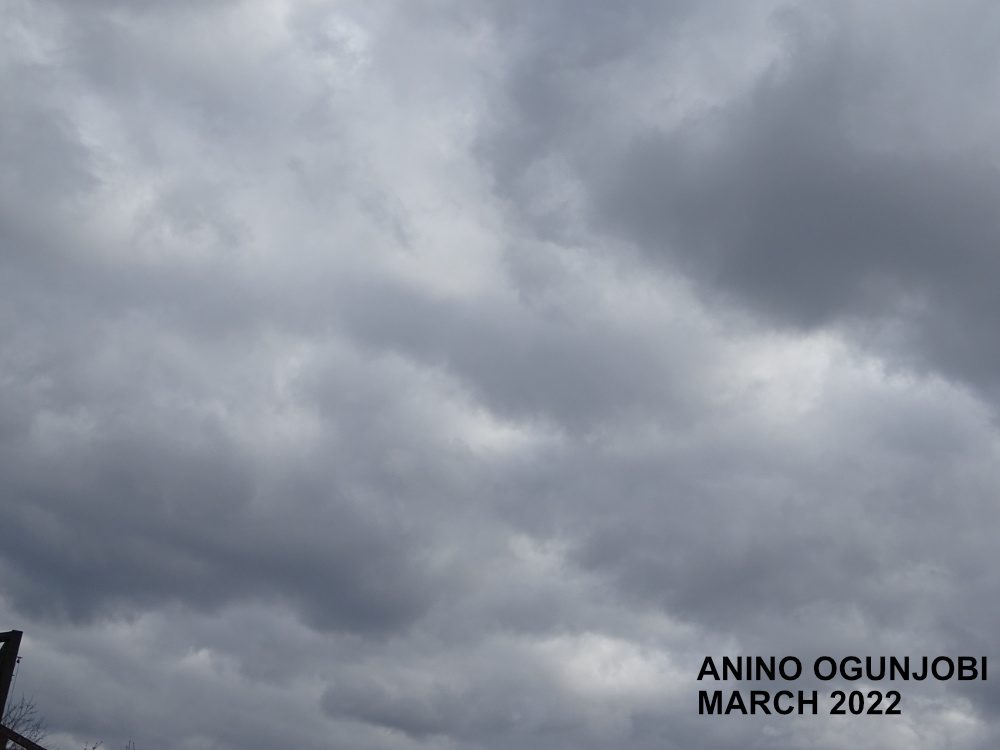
point(459, 374)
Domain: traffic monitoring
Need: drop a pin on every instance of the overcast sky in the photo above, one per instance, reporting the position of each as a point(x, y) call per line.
point(457, 374)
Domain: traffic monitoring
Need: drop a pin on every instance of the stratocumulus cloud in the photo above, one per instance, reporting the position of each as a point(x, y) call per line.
point(462, 375)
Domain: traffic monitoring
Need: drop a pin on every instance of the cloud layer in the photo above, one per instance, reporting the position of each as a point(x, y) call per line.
point(459, 375)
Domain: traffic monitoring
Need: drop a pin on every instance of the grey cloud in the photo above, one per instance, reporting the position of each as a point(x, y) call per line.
point(572, 372)
point(783, 211)
point(134, 521)
point(349, 395)
point(788, 199)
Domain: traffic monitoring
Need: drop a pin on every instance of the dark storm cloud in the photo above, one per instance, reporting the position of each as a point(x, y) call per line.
point(137, 516)
point(771, 201)
point(350, 395)
point(787, 198)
